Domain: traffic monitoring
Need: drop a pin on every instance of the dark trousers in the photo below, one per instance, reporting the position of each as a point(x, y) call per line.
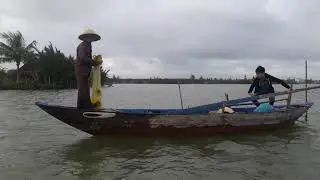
point(271, 99)
point(83, 100)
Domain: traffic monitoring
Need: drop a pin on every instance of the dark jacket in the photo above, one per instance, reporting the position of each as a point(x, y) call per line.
point(264, 86)
point(84, 58)
point(83, 67)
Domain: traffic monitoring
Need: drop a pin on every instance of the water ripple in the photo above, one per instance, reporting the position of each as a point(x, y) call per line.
point(35, 145)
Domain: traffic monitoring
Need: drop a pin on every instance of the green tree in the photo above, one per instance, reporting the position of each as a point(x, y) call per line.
point(104, 77)
point(53, 69)
point(15, 49)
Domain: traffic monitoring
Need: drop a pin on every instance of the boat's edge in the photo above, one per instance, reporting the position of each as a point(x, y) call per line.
point(43, 104)
point(145, 111)
point(85, 125)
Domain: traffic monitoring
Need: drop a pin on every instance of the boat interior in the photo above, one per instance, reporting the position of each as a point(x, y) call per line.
point(204, 109)
point(248, 109)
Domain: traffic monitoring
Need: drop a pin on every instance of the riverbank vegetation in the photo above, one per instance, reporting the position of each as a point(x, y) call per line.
point(48, 68)
point(193, 80)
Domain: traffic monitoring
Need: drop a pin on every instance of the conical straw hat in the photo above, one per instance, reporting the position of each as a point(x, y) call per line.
point(89, 35)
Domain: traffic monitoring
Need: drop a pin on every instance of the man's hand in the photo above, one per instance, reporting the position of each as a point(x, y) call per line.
point(97, 63)
point(289, 90)
point(97, 60)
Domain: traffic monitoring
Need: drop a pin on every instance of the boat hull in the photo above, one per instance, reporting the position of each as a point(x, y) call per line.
point(117, 123)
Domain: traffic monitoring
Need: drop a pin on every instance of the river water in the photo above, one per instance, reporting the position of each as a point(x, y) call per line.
point(34, 145)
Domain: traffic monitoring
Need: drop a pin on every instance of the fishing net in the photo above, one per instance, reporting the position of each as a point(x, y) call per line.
point(96, 82)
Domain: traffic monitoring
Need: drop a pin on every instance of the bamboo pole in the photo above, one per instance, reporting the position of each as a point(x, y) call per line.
point(286, 92)
point(306, 80)
point(233, 102)
point(181, 102)
point(224, 104)
point(306, 86)
point(264, 96)
point(227, 96)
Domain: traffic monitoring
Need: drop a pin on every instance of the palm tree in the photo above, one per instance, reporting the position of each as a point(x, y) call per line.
point(15, 49)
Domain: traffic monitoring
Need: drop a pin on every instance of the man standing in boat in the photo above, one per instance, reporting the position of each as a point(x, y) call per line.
point(262, 84)
point(83, 67)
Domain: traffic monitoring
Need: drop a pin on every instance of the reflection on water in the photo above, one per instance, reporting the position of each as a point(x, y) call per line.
point(123, 157)
point(34, 145)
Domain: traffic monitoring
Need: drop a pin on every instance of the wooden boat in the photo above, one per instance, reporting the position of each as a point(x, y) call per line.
point(120, 122)
point(195, 121)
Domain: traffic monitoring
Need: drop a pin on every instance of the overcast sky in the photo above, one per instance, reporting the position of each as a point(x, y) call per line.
point(174, 38)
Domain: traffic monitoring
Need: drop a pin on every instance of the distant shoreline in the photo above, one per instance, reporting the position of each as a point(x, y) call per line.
point(11, 85)
point(196, 81)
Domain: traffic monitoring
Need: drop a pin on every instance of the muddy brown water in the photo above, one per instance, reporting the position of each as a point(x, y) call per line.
point(34, 145)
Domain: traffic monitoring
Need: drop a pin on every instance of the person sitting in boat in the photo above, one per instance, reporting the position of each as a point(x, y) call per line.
point(262, 84)
point(83, 67)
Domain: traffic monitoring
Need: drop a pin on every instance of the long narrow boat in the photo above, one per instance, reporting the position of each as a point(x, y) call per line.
point(195, 121)
point(157, 123)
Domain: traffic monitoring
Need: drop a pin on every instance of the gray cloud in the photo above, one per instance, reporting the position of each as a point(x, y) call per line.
point(163, 37)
